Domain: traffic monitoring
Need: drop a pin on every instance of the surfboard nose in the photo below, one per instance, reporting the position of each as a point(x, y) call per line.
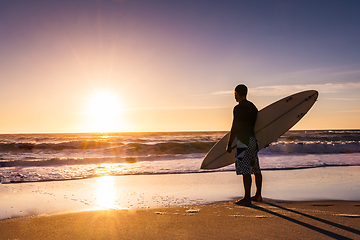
point(313, 94)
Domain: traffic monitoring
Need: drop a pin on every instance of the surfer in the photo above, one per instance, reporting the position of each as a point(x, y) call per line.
point(246, 160)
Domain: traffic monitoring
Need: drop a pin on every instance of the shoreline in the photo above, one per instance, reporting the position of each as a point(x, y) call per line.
point(307, 203)
point(177, 173)
point(151, 191)
point(24, 174)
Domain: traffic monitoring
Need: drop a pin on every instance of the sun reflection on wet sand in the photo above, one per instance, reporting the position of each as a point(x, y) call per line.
point(106, 193)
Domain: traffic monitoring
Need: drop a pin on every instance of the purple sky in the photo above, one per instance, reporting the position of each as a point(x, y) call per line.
point(173, 65)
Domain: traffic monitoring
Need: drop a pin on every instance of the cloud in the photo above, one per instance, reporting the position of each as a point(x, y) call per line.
point(160, 108)
point(223, 92)
point(280, 90)
point(326, 71)
point(348, 72)
point(343, 99)
point(349, 111)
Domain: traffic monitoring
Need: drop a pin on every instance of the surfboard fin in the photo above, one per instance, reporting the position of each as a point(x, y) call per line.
point(301, 115)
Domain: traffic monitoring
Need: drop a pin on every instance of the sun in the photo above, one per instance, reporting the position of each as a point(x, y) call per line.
point(104, 112)
point(104, 104)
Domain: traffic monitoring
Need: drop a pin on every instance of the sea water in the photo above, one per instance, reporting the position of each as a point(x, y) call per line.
point(50, 157)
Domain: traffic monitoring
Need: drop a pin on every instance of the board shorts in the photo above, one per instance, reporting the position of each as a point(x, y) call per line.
point(246, 160)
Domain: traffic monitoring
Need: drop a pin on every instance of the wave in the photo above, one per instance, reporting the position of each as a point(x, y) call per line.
point(53, 146)
point(59, 162)
point(170, 147)
point(31, 162)
point(323, 135)
point(176, 147)
point(98, 171)
point(281, 148)
point(50, 157)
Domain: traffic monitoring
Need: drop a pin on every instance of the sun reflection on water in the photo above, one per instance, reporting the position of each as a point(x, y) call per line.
point(106, 194)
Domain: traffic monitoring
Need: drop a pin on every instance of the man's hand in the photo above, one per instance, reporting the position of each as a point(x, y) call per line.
point(228, 148)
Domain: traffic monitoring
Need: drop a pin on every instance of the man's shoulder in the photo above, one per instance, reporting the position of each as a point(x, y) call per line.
point(247, 104)
point(252, 104)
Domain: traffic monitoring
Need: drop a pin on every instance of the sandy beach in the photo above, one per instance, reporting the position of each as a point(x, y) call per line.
point(309, 203)
point(267, 220)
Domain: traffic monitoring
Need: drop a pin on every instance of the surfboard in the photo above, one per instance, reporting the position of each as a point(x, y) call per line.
point(272, 122)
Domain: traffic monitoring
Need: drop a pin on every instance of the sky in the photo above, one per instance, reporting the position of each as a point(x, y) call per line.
point(171, 65)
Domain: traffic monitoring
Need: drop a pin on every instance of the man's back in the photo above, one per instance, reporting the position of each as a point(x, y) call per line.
point(245, 114)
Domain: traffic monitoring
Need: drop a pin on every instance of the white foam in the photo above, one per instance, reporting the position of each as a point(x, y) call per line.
point(144, 191)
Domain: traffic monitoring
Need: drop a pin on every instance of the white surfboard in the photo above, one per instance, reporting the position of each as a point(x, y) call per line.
point(272, 122)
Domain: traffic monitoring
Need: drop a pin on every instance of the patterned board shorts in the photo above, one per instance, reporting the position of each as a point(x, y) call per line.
point(247, 161)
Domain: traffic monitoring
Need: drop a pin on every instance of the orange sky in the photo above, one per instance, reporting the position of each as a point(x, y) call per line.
point(172, 66)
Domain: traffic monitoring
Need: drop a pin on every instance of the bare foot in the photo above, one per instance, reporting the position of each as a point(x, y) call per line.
point(256, 198)
point(243, 202)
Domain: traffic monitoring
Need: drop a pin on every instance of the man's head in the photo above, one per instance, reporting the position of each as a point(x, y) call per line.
point(240, 92)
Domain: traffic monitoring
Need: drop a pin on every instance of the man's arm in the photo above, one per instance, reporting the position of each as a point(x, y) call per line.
point(231, 139)
point(232, 134)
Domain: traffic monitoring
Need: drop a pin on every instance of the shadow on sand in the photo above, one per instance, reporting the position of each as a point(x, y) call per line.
point(320, 230)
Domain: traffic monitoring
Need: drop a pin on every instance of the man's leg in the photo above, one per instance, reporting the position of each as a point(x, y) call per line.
point(258, 183)
point(247, 187)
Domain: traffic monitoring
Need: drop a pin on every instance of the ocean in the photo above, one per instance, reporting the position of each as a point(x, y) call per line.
point(67, 156)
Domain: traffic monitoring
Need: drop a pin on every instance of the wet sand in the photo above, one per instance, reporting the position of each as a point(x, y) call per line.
point(315, 203)
point(267, 220)
point(147, 191)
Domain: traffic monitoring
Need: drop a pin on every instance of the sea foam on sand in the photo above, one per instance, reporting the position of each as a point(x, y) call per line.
point(145, 191)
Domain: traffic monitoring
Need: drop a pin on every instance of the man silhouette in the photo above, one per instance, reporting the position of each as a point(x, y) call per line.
point(246, 161)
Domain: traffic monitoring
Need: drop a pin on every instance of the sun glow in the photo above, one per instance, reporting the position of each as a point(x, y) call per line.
point(106, 194)
point(104, 112)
